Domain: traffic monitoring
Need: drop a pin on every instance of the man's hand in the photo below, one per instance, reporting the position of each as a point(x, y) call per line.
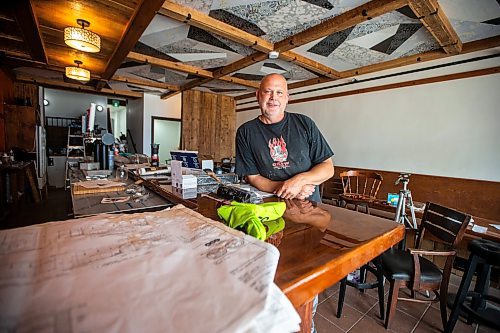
point(290, 189)
point(306, 192)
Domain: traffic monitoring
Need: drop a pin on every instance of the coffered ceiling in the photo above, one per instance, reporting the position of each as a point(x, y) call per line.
point(223, 46)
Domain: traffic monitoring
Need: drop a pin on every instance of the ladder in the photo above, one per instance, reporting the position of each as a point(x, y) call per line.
point(75, 151)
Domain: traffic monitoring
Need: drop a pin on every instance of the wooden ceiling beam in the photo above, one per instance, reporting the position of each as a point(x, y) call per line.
point(433, 18)
point(75, 87)
point(135, 27)
point(200, 20)
point(178, 66)
point(30, 29)
point(207, 23)
point(240, 64)
point(241, 82)
point(340, 22)
point(147, 83)
point(311, 65)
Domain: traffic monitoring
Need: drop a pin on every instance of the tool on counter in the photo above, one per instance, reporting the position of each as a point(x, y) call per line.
point(229, 192)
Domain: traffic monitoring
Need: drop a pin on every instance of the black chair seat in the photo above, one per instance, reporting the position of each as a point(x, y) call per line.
point(488, 250)
point(398, 265)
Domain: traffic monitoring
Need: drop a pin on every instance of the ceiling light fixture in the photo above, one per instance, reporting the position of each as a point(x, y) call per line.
point(77, 73)
point(274, 55)
point(81, 39)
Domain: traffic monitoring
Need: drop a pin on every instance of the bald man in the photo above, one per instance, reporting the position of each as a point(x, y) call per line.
point(280, 152)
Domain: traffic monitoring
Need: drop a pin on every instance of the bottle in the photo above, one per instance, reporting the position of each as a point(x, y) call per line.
point(111, 160)
point(121, 174)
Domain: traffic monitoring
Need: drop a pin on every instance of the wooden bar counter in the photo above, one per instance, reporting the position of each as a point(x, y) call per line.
point(321, 245)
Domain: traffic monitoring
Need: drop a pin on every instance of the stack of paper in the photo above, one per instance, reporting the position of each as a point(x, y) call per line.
point(168, 271)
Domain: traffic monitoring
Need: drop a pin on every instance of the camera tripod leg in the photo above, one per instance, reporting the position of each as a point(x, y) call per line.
point(412, 210)
point(400, 213)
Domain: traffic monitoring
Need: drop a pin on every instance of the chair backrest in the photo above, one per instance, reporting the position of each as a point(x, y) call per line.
point(363, 183)
point(331, 189)
point(446, 224)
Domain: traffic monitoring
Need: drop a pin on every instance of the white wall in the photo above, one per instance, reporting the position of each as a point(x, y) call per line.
point(155, 106)
point(73, 105)
point(448, 128)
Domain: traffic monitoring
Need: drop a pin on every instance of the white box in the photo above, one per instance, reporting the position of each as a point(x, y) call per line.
point(185, 181)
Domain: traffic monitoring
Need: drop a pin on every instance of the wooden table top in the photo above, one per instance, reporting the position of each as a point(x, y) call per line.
point(322, 244)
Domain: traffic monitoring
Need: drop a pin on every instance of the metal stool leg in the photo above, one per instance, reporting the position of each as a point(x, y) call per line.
point(462, 293)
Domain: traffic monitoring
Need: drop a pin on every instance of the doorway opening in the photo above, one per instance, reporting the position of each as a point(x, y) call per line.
point(167, 133)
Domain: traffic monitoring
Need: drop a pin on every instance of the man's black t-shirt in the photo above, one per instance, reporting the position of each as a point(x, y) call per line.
point(281, 150)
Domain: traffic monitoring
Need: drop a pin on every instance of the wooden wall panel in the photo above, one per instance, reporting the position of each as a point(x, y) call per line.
point(208, 124)
point(476, 197)
point(6, 97)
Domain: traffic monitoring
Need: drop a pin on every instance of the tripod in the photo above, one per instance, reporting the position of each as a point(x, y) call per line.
point(404, 198)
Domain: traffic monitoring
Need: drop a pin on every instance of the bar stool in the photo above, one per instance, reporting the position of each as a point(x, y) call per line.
point(487, 254)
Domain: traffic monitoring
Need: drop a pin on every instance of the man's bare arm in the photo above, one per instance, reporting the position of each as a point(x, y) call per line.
point(297, 186)
point(318, 174)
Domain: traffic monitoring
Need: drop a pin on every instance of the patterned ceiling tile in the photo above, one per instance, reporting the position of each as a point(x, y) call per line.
point(236, 21)
point(321, 3)
point(383, 38)
point(292, 71)
point(203, 36)
point(328, 44)
point(223, 87)
point(404, 32)
point(473, 20)
point(150, 51)
point(200, 5)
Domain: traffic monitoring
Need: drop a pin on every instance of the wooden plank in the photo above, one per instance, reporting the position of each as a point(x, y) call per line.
point(142, 82)
point(30, 172)
point(76, 87)
point(30, 29)
point(200, 20)
point(433, 18)
point(341, 22)
point(133, 31)
point(312, 65)
point(178, 66)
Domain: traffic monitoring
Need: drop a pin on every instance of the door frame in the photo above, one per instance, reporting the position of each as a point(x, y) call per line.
point(153, 118)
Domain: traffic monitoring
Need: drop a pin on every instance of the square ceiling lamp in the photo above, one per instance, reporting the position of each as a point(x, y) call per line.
point(78, 73)
point(82, 39)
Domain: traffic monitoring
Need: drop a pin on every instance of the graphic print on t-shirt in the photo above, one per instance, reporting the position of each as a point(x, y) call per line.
point(279, 153)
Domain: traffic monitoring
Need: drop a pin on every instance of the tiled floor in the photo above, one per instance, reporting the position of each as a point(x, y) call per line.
point(361, 314)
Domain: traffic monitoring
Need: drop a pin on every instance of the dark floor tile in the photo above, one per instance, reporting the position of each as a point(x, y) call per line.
point(431, 322)
point(401, 323)
point(328, 293)
point(328, 309)
point(55, 207)
point(324, 326)
point(358, 300)
point(413, 309)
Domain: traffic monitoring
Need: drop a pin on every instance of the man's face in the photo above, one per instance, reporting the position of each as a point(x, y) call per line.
point(272, 97)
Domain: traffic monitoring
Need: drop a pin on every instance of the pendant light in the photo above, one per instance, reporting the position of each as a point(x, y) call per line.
point(82, 39)
point(78, 73)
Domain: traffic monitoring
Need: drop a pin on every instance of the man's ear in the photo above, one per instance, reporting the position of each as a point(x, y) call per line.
point(257, 95)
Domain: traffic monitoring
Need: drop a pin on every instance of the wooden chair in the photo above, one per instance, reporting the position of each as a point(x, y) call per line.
point(408, 269)
point(331, 191)
point(360, 188)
